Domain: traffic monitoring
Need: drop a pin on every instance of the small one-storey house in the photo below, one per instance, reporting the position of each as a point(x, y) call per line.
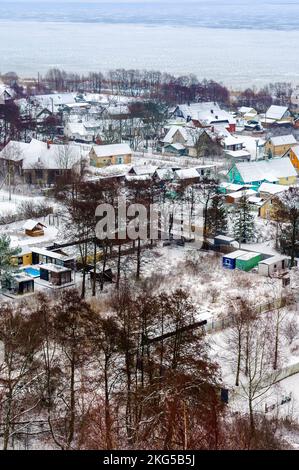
point(236, 156)
point(267, 190)
point(163, 174)
point(247, 113)
point(248, 261)
point(114, 154)
point(18, 284)
point(229, 260)
point(187, 174)
point(40, 162)
point(276, 115)
point(235, 198)
point(55, 275)
point(231, 142)
point(223, 240)
point(141, 170)
point(272, 265)
point(191, 141)
point(278, 146)
point(34, 229)
point(278, 170)
point(77, 131)
point(207, 114)
point(6, 94)
point(227, 188)
point(175, 149)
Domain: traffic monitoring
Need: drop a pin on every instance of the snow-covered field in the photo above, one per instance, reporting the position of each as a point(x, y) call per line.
point(11, 206)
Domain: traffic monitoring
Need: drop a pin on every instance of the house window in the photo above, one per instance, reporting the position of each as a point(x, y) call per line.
point(39, 174)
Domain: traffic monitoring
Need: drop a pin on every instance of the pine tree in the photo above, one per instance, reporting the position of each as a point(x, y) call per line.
point(6, 253)
point(217, 216)
point(243, 221)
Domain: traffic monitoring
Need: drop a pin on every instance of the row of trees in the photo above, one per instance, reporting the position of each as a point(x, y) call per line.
point(139, 83)
point(158, 85)
point(128, 374)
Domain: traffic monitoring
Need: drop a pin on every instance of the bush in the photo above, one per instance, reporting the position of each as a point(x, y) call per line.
point(27, 210)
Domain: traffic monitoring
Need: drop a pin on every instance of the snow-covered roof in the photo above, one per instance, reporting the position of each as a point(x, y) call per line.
point(240, 194)
point(235, 254)
point(273, 260)
point(231, 186)
point(38, 154)
point(189, 134)
point(55, 100)
point(270, 170)
point(246, 109)
point(208, 113)
point(177, 146)
point(138, 177)
point(30, 224)
point(5, 93)
point(112, 150)
point(238, 153)
point(232, 140)
point(187, 173)
point(276, 112)
point(248, 256)
point(283, 140)
point(255, 200)
point(143, 170)
point(272, 188)
point(76, 128)
point(164, 173)
point(224, 238)
point(55, 268)
point(118, 109)
point(50, 254)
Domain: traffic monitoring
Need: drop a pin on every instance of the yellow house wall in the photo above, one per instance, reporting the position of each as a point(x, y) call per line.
point(103, 161)
point(113, 160)
point(26, 259)
point(266, 211)
point(192, 152)
point(288, 181)
point(277, 150)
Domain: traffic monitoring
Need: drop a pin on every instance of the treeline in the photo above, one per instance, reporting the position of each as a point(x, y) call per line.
point(155, 85)
point(78, 375)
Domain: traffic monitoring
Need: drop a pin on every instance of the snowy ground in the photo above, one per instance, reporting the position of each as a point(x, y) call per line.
point(11, 206)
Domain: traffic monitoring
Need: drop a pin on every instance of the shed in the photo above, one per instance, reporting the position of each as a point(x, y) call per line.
point(269, 266)
point(229, 260)
point(248, 261)
point(223, 240)
point(34, 228)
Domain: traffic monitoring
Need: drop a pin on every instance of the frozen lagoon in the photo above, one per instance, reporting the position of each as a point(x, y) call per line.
point(236, 57)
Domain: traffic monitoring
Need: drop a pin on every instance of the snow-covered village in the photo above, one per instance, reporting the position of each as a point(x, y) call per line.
point(149, 262)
